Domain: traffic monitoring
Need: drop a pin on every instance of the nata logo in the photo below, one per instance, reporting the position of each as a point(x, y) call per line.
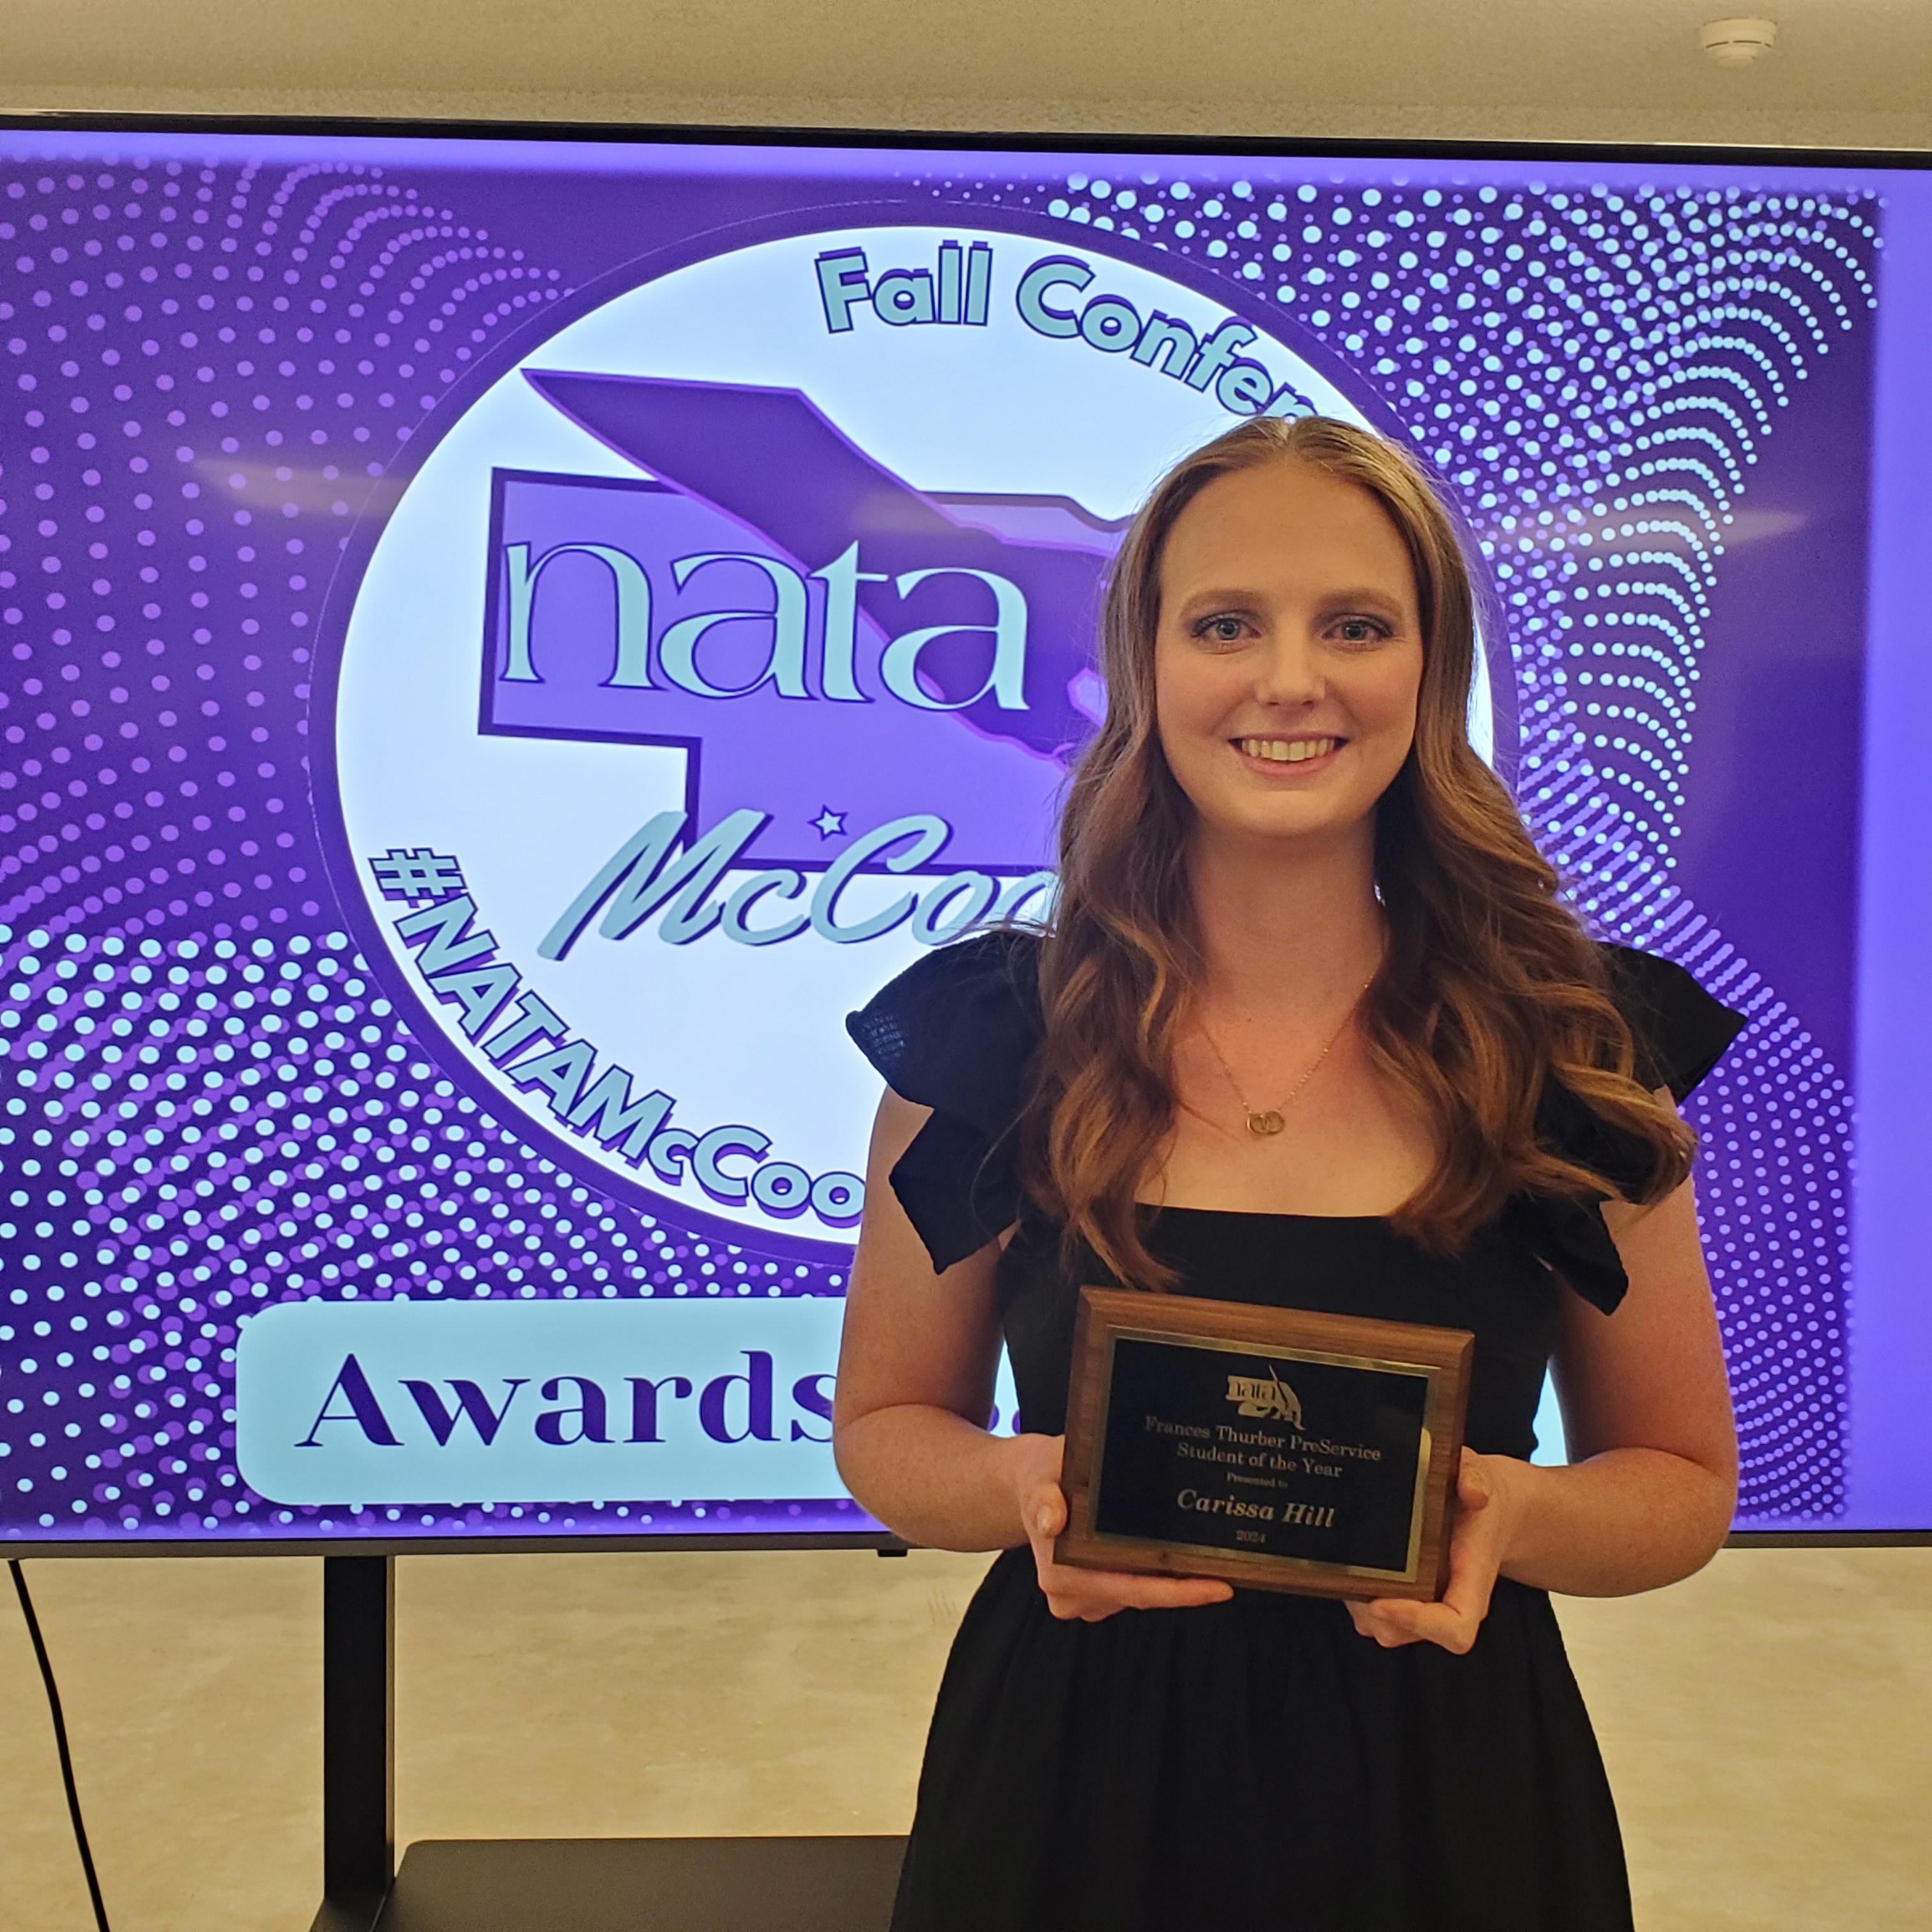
point(732, 648)
point(1265, 1396)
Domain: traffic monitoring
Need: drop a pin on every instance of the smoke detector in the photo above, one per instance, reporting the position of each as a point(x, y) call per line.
point(1737, 43)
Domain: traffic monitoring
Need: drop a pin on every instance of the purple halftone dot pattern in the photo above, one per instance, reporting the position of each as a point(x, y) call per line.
point(1661, 331)
point(209, 1105)
point(1773, 1201)
point(205, 1126)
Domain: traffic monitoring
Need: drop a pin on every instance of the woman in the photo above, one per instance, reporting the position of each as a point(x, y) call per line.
point(1312, 1027)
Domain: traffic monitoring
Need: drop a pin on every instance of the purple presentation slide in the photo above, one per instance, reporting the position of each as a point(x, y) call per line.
point(503, 643)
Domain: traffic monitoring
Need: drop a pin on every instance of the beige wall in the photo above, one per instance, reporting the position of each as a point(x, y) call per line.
point(1764, 1723)
point(1850, 72)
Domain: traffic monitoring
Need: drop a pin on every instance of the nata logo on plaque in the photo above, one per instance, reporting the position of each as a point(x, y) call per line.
point(1265, 1396)
point(730, 650)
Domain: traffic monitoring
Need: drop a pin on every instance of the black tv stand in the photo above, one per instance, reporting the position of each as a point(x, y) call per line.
point(540, 1884)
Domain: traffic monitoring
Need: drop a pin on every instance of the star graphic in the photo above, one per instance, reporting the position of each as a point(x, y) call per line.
point(830, 824)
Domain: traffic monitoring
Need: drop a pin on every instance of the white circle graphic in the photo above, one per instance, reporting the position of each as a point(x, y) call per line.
point(726, 653)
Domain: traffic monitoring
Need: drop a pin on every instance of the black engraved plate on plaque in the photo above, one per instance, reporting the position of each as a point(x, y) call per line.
point(1267, 1454)
point(1279, 1448)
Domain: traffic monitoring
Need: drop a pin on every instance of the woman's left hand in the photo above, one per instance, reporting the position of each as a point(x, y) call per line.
point(1487, 1496)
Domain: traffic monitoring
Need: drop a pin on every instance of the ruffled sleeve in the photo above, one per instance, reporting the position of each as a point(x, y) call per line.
point(1680, 1032)
point(954, 1032)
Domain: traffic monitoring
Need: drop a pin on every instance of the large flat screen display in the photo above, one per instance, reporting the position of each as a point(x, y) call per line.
point(503, 642)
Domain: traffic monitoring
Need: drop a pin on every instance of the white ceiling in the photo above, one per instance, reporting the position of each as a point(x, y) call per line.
point(1844, 72)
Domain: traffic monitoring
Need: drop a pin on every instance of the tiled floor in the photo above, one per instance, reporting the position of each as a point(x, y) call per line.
point(1768, 1724)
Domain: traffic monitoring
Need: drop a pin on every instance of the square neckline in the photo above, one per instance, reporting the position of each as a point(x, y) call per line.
point(1263, 1213)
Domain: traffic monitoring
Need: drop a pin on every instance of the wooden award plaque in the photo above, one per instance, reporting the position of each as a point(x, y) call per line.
point(1276, 1449)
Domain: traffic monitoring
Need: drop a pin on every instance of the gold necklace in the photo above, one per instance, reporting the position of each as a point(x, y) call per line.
point(1270, 1121)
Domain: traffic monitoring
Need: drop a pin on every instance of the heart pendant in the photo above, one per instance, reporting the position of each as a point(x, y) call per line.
point(1269, 1122)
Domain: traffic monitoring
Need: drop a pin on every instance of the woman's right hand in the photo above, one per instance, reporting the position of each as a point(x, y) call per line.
point(1085, 1595)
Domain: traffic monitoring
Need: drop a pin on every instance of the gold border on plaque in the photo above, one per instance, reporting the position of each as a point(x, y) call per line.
point(1427, 1373)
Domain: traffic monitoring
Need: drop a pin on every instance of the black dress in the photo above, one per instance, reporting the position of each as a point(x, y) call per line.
point(1256, 1763)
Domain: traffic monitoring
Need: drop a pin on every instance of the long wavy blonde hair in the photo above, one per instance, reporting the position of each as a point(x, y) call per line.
point(1490, 986)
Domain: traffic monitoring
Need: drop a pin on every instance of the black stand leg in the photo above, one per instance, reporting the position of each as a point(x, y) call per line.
point(359, 1833)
